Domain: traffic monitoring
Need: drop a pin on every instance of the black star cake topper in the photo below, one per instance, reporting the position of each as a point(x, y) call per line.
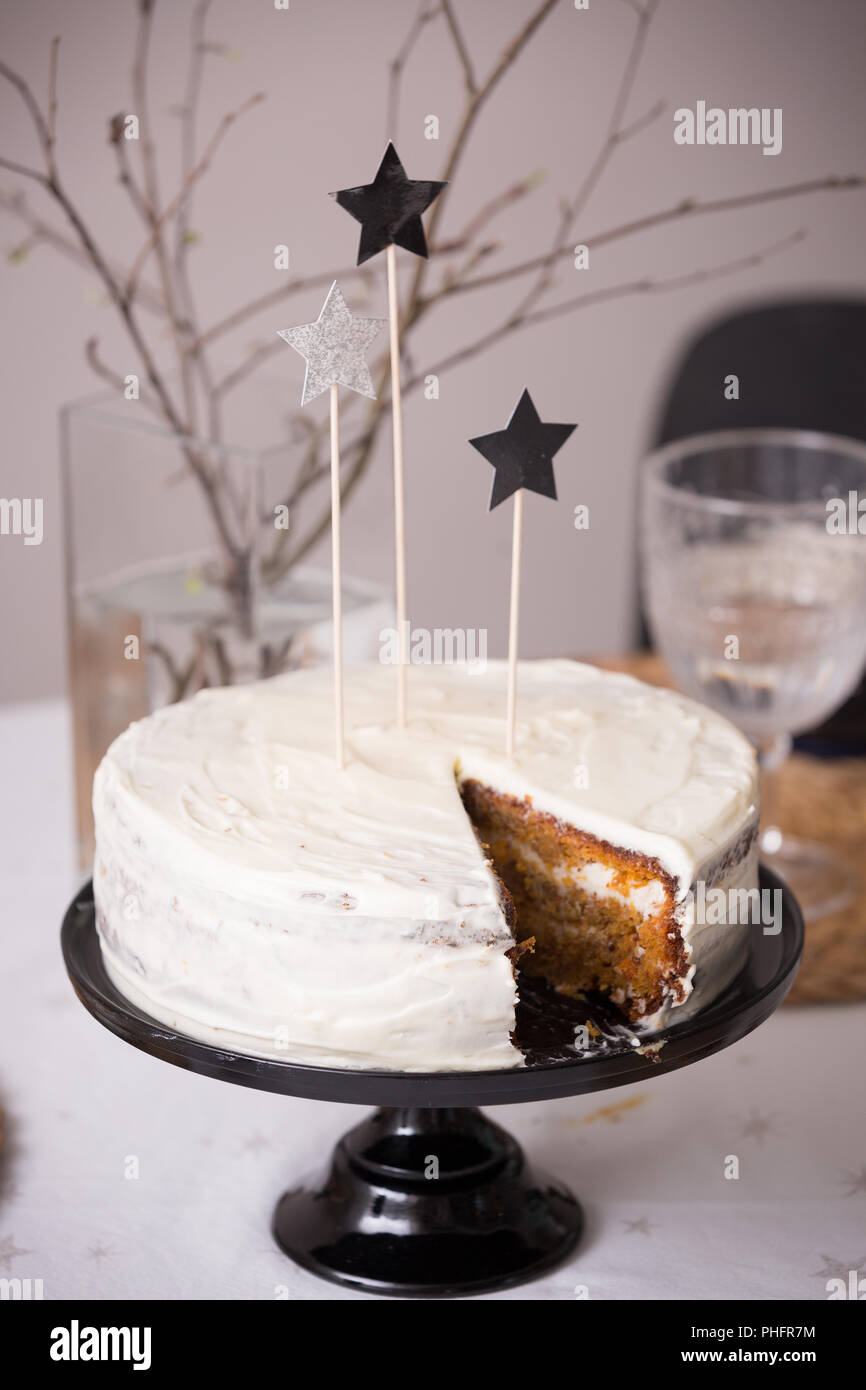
point(389, 209)
point(522, 453)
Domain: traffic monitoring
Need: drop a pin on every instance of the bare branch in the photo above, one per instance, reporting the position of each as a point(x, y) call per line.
point(112, 378)
point(646, 13)
point(415, 305)
point(41, 232)
point(604, 295)
point(159, 222)
point(664, 286)
point(123, 303)
point(481, 96)
point(461, 272)
point(487, 212)
point(197, 50)
point(24, 170)
point(151, 203)
point(614, 138)
point(263, 353)
point(683, 208)
point(358, 449)
point(426, 12)
point(362, 452)
point(188, 123)
point(25, 92)
point(474, 106)
point(52, 184)
point(96, 364)
point(51, 123)
point(642, 123)
point(127, 178)
point(273, 297)
point(460, 45)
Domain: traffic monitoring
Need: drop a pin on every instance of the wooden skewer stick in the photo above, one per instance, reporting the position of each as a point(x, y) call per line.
point(337, 579)
point(399, 496)
point(514, 621)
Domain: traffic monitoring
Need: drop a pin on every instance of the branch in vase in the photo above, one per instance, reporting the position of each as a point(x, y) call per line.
point(684, 207)
point(474, 105)
point(179, 678)
point(349, 483)
point(363, 444)
point(51, 122)
point(162, 219)
point(175, 300)
point(473, 227)
point(25, 91)
point(615, 137)
point(42, 233)
point(237, 565)
point(50, 181)
point(605, 295)
point(111, 378)
point(151, 200)
point(487, 212)
point(426, 12)
point(362, 274)
point(117, 139)
point(183, 235)
point(460, 45)
point(273, 297)
point(189, 114)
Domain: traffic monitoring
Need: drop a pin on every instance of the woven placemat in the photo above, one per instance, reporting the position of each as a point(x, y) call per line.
point(823, 801)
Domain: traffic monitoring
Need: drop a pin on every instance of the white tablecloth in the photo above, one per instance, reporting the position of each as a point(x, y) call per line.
point(647, 1161)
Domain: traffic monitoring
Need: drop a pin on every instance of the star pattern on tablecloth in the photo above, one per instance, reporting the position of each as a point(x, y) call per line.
point(641, 1227)
point(9, 1251)
point(255, 1143)
point(758, 1126)
point(856, 1182)
point(97, 1253)
point(840, 1269)
point(66, 1000)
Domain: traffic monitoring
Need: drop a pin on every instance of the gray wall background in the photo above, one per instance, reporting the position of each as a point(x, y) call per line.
point(324, 68)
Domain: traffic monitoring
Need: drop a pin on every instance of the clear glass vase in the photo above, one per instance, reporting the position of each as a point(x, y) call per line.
point(180, 571)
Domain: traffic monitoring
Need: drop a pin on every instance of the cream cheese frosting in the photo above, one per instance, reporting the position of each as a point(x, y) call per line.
point(249, 890)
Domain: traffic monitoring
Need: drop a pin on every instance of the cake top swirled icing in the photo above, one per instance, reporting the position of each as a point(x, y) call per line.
point(237, 787)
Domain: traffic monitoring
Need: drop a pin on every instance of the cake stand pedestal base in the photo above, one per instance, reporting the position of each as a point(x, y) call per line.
point(428, 1198)
point(425, 1203)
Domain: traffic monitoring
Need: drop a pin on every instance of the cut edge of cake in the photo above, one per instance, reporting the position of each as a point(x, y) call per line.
point(589, 915)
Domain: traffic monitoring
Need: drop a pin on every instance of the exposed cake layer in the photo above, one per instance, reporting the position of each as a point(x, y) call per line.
point(244, 887)
point(600, 917)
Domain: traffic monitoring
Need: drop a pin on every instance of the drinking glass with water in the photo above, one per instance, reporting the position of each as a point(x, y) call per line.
point(753, 547)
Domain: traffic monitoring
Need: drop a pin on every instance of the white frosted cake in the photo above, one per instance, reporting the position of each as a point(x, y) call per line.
point(251, 895)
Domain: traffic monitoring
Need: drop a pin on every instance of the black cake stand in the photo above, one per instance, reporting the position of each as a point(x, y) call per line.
point(428, 1197)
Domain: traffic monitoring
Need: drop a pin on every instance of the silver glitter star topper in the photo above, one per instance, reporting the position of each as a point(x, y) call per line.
point(334, 348)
